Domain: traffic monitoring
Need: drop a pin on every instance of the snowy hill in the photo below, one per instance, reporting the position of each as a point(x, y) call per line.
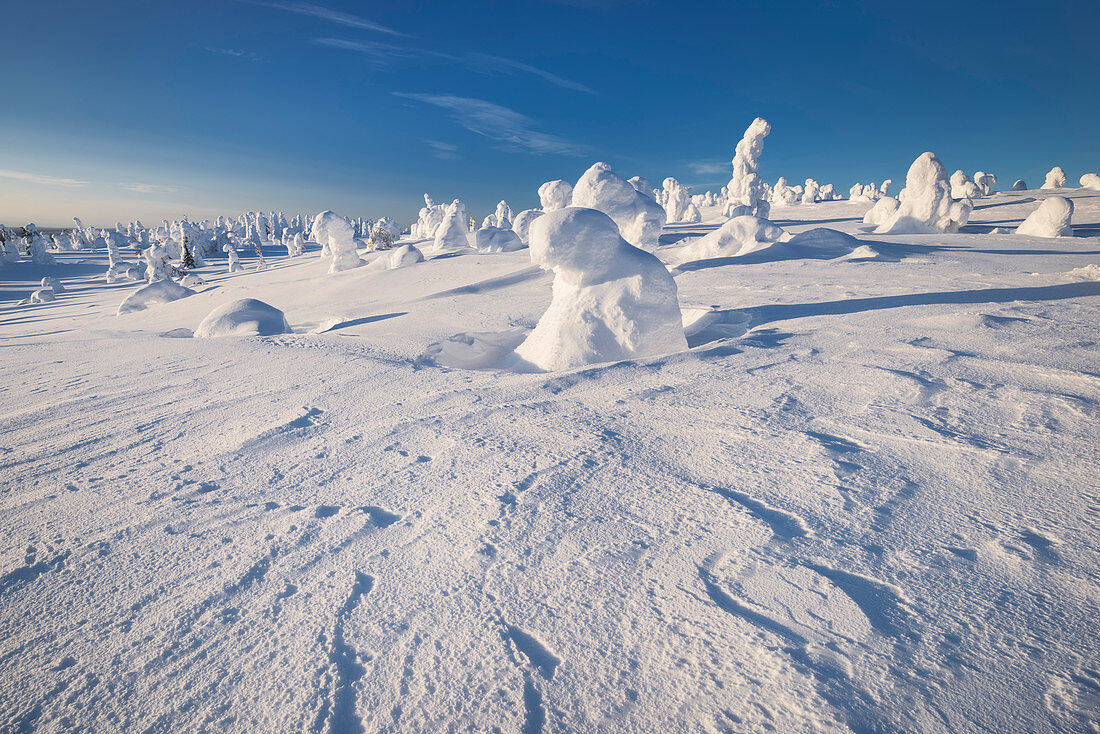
point(863, 499)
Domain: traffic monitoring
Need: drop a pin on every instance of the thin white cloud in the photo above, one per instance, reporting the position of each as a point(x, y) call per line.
point(446, 151)
point(144, 188)
point(236, 53)
point(383, 53)
point(511, 129)
point(41, 180)
point(488, 64)
point(333, 16)
point(709, 168)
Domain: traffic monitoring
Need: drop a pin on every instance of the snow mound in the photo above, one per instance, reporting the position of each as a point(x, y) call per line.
point(926, 205)
point(159, 291)
point(496, 239)
point(554, 195)
point(401, 257)
point(882, 211)
point(821, 242)
point(1056, 178)
point(1090, 181)
point(863, 253)
point(246, 317)
point(523, 221)
point(475, 350)
point(42, 295)
point(1019, 185)
point(738, 236)
point(53, 284)
point(611, 300)
point(1088, 272)
point(639, 217)
point(692, 215)
point(1050, 219)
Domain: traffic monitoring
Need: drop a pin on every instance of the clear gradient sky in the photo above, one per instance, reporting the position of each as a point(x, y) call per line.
point(128, 109)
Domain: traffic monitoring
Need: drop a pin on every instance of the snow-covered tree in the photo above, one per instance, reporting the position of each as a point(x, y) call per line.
point(745, 186)
point(1056, 178)
point(1050, 219)
point(610, 301)
point(926, 203)
point(639, 217)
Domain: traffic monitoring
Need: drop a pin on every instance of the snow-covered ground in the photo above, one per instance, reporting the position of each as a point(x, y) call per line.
point(865, 499)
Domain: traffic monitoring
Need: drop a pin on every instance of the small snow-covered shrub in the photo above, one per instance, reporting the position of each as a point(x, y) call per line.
point(234, 259)
point(1020, 185)
point(554, 195)
point(1056, 178)
point(611, 300)
point(42, 295)
point(883, 209)
point(1090, 181)
point(246, 317)
point(402, 257)
point(985, 182)
point(159, 291)
point(639, 217)
point(1050, 219)
point(963, 188)
point(926, 204)
point(691, 215)
point(496, 239)
point(523, 222)
point(53, 284)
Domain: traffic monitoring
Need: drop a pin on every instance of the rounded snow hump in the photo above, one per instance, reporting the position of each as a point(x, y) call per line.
point(246, 317)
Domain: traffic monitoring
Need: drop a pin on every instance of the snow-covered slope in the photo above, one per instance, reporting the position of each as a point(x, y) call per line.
point(864, 499)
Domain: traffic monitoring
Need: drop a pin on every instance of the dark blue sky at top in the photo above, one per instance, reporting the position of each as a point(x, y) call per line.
point(126, 108)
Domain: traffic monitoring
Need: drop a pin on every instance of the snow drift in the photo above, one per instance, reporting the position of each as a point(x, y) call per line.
point(159, 291)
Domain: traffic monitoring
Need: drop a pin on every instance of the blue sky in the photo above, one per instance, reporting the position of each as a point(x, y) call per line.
point(147, 109)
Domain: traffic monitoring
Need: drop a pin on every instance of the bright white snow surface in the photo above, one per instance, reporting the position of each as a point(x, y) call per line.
point(865, 498)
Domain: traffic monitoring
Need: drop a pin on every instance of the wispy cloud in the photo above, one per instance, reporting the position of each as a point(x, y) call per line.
point(333, 16)
point(511, 129)
point(708, 168)
point(488, 64)
point(144, 188)
point(236, 53)
point(446, 151)
point(383, 53)
point(40, 179)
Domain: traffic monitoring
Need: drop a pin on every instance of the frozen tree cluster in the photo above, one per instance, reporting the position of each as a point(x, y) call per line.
point(1056, 178)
